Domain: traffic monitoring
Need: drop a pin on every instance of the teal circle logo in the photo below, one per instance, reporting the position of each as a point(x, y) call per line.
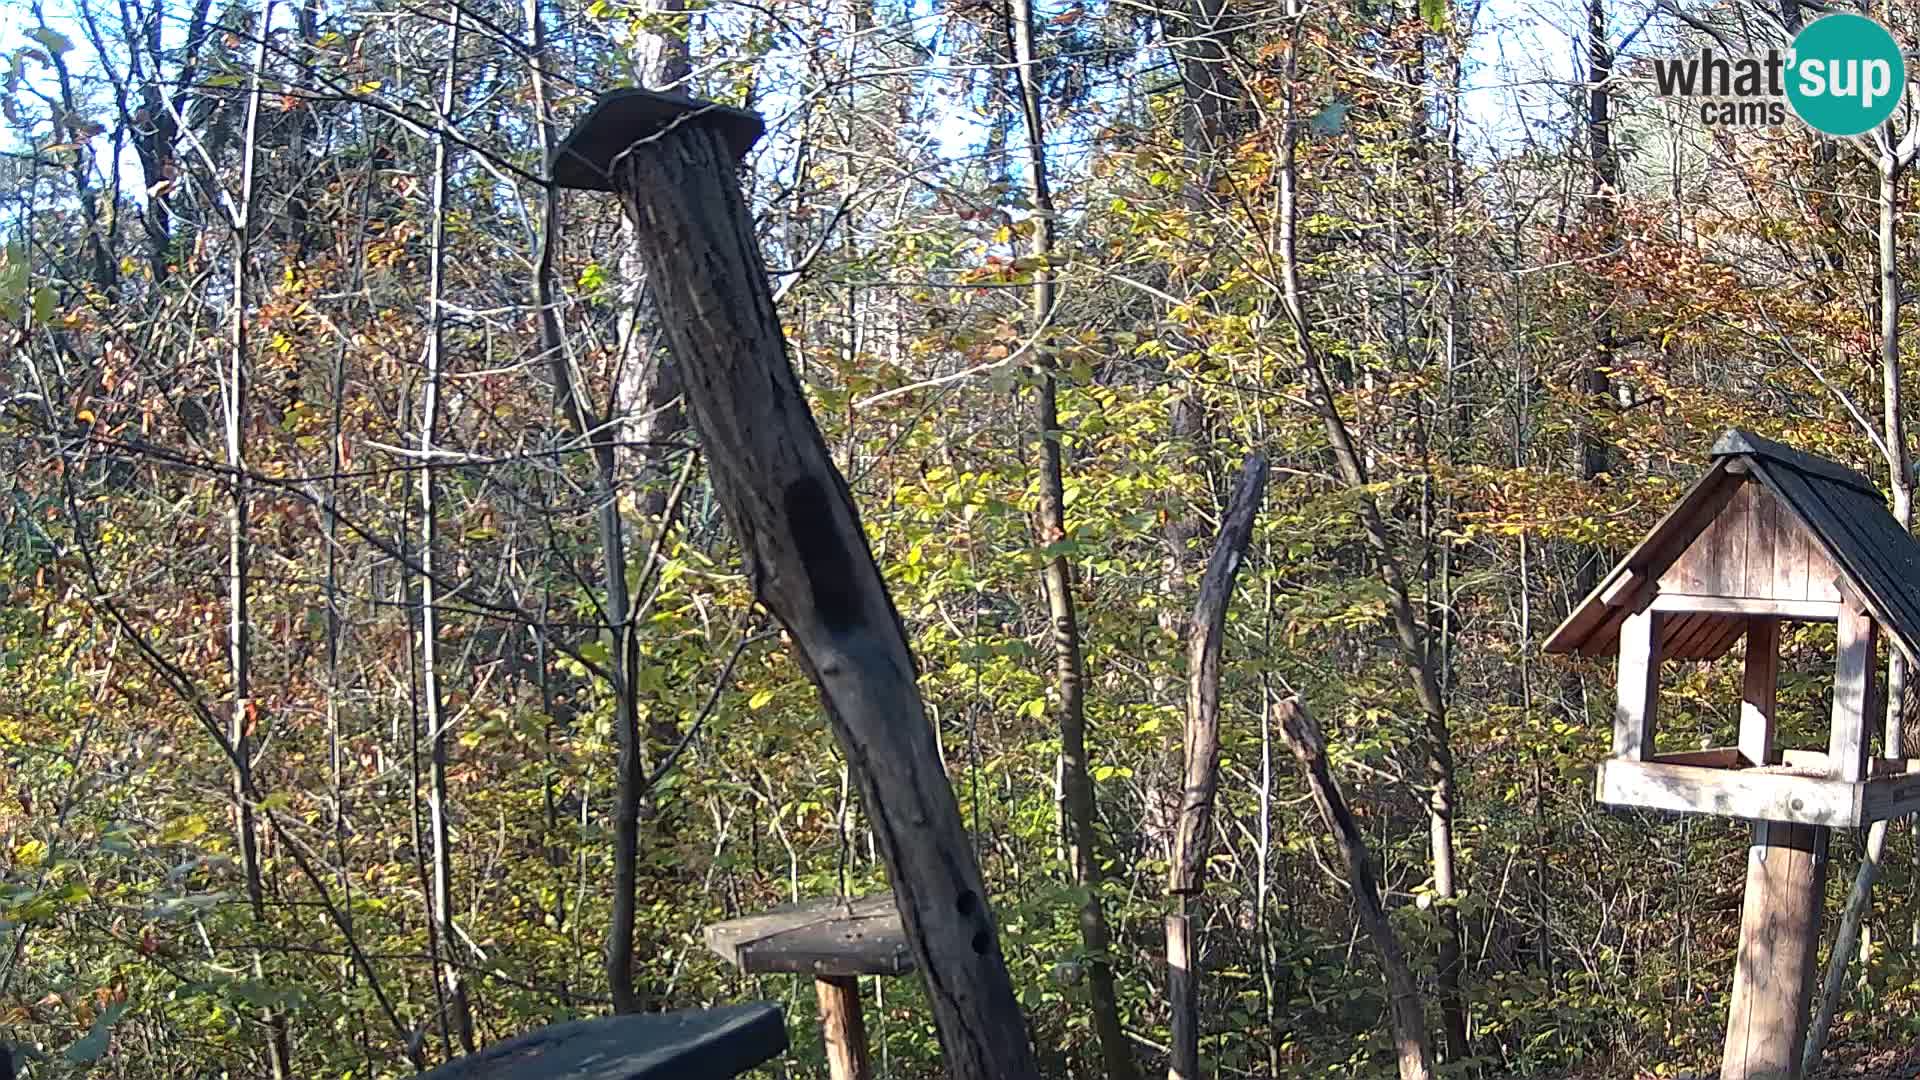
point(1845, 75)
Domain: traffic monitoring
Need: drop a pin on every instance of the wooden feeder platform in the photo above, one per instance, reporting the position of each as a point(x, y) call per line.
point(1800, 789)
point(836, 941)
point(831, 937)
point(720, 1042)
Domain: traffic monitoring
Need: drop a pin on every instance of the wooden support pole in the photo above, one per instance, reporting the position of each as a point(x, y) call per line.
point(1779, 935)
point(1759, 690)
point(1853, 692)
point(1183, 1063)
point(1639, 686)
point(843, 1026)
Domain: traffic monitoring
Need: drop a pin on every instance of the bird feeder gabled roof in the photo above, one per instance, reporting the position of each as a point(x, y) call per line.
point(1766, 504)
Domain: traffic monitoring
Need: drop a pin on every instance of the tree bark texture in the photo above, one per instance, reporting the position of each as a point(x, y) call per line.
point(1050, 523)
point(1201, 751)
point(1437, 738)
point(807, 557)
point(1403, 1001)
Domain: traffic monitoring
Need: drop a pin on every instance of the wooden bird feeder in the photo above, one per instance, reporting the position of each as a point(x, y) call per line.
point(834, 940)
point(1768, 536)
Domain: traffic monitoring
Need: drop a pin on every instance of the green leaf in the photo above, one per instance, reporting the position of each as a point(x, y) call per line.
point(759, 700)
point(95, 1042)
point(54, 41)
point(1435, 13)
point(43, 302)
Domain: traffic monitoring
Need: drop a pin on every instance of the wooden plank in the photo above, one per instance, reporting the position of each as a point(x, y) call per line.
point(1853, 678)
point(1797, 610)
point(721, 1042)
point(1890, 797)
point(843, 1027)
point(1701, 634)
point(1731, 630)
point(1779, 936)
point(1759, 687)
point(1754, 794)
point(1624, 589)
point(1764, 537)
point(832, 936)
point(1638, 687)
point(1719, 757)
point(1674, 630)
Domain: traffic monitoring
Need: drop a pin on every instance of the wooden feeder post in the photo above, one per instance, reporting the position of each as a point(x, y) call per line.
point(834, 940)
point(1768, 536)
point(674, 164)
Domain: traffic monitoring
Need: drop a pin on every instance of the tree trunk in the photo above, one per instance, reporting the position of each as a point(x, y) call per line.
point(1069, 672)
point(616, 614)
point(244, 716)
point(1201, 750)
point(808, 560)
point(1900, 476)
point(1403, 1000)
point(454, 991)
point(1437, 740)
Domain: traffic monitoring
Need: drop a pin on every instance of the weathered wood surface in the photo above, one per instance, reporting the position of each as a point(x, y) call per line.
point(830, 937)
point(843, 1027)
point(1801, 789)
point(808, 561)
point(1756, 548)
point(716, 1043)
point(1779, 934)
point(1759, 691)
point(1183, 986)
point(1855, 672)
point(1593, 626)
point(1637, 686)
point(1766, 522)
point(1756, 794)
point(1201, 742)
point(1404, 1009)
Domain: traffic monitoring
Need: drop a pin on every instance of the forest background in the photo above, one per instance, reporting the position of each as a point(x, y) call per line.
point(377, 675)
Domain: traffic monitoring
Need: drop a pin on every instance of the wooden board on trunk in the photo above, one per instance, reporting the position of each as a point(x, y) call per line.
point(831, 937)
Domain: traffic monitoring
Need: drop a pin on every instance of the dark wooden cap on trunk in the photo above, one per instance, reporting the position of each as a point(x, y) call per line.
point(720, 1042)
point(621, 118)
point(835, 936)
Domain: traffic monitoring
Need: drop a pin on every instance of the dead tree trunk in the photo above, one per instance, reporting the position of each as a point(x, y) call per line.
point(1403, 1001)
point(1201, 750)
point(673, 163)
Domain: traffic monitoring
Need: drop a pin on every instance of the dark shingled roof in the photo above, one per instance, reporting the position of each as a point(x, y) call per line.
point(1840, 508)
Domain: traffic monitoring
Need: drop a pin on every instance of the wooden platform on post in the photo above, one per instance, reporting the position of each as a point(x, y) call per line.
point(836, 940)
point(1779, 937)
